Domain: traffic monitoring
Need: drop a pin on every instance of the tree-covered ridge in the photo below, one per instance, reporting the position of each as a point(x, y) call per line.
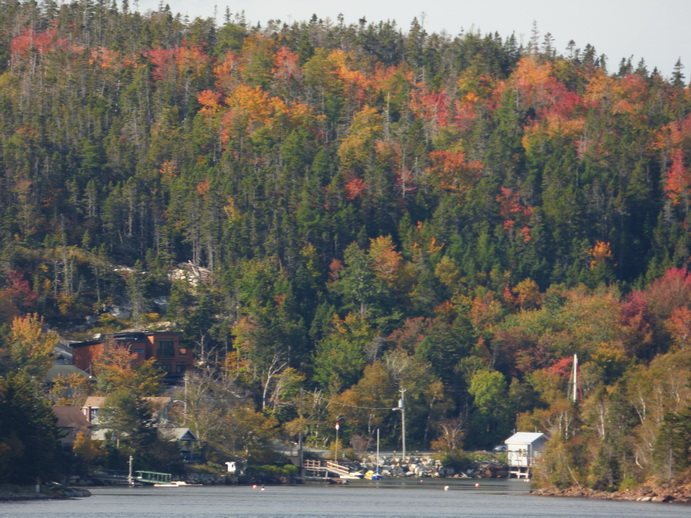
point(377, 209)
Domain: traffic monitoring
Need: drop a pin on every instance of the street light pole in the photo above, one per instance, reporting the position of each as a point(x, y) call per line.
point(336, 448)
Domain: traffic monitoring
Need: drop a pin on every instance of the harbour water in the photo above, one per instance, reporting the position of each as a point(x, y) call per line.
point(390, 498)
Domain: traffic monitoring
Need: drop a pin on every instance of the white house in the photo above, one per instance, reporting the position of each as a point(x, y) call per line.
point(160, 406)
point(522, 449)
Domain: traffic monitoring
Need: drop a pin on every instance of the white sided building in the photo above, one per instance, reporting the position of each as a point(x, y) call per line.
point(523, 449)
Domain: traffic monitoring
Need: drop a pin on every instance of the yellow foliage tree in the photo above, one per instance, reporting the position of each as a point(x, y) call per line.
point(87, 449)
point(30, 347)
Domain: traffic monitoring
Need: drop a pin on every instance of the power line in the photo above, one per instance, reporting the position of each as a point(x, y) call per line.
point(360, 407)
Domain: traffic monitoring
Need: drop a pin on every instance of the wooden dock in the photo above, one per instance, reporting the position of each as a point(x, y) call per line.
point(325, 469)
point(153, 477)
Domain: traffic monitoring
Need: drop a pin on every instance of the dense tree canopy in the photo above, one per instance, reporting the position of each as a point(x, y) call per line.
point(363, 209)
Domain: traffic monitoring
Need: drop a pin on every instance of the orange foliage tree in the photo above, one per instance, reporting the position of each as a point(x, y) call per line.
point(117, 368)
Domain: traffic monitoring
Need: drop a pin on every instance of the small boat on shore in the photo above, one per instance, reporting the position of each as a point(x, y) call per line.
point(176, 483)
point(356, 475)
point(373, 475)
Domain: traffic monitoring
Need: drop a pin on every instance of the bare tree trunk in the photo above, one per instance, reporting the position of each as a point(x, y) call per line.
point(275, 368)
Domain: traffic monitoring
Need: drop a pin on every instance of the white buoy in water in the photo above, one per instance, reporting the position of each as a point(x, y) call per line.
point(446, 488)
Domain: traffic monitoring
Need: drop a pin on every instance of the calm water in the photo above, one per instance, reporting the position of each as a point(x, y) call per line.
point(360, 499)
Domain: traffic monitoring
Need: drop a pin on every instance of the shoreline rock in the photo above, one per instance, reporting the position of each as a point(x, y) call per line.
point(16, 493)
point(428, 466)
point(643, 494)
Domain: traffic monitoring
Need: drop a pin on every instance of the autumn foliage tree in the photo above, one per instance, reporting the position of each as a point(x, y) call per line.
point(119, 369)
point(30, 346)
point(331, 209)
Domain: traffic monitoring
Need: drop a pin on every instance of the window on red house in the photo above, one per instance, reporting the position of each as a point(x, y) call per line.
point(166, 349)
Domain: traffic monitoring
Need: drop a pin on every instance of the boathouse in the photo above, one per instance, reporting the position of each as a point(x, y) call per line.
point(523, 449)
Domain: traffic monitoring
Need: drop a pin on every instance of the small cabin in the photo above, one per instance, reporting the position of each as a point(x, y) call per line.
point(523, 449)
point(185, 439)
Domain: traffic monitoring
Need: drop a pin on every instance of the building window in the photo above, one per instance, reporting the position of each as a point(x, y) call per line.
point(166, 349)
point(165, 367)
point(181, 368)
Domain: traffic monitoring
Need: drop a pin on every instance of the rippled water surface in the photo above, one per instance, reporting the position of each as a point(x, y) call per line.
point(359, 499)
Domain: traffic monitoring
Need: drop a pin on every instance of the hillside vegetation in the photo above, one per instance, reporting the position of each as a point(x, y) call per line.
point(374, 209)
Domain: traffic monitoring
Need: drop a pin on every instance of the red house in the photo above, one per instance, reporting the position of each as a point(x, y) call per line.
point(171, 356)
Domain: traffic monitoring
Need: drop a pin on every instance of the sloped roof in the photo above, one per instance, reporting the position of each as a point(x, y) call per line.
point(178, 434)
point(95, 401)
point(64, 370)
point(70, 417)
point(156, 402)
point(170, 434)
point(524, 438)
point(63, 352)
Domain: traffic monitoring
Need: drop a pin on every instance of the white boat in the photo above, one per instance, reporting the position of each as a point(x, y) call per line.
point(355, 475)
point(176, 483)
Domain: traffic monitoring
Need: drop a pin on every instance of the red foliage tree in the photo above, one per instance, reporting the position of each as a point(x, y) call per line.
point(41, 42)
point(678, 179)
point(669, 292)
point(454, 173)
point(17, 288)
point(354, 188)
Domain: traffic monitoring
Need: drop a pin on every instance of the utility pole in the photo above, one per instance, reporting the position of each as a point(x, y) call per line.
point(377, 451)
point(184, 410)
point(301, 461)
point(401, 405)
point(573, 382)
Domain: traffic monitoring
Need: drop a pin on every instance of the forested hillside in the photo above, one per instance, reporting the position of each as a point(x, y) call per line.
point(376, 209)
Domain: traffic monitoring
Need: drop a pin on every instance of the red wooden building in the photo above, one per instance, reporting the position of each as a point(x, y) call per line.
point(171, 356)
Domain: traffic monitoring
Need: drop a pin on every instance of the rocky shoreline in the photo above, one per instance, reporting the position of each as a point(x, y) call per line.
point(677, 495)
point(9, 493)
point(427, 466)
